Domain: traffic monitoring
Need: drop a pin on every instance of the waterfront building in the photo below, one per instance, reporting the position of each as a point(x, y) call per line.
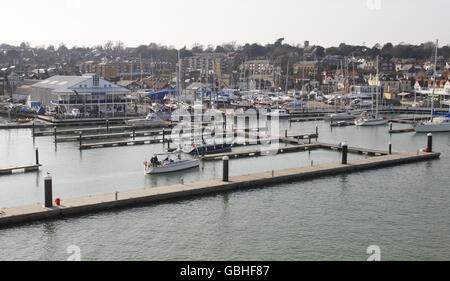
point(88, 93)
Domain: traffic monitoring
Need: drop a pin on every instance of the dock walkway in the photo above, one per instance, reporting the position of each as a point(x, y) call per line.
point(25, 168)
point(70, 207)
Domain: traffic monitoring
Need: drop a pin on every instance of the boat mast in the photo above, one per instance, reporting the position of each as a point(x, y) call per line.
point(434, 80)
point(378, 86)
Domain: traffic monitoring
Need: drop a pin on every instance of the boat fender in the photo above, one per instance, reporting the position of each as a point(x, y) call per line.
point(145, 163)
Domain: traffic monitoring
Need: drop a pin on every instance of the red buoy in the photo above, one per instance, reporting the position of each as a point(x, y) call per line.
point(58, 202)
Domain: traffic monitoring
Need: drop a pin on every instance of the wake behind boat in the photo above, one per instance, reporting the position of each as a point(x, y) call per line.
point(172, 163)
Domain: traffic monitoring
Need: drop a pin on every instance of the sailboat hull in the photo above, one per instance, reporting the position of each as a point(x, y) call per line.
point(371, 122)
point(432, 128)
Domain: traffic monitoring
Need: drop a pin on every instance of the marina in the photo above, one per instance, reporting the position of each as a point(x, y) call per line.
point(119, 200)
point(273, 150)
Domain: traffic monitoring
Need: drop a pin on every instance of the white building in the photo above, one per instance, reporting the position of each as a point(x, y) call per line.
point(88, 93)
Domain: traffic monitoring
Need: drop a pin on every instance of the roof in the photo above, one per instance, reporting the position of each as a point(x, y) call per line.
point(65, 84)
point(61, 82)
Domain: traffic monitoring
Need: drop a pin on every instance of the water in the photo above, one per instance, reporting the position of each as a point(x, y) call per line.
point(403, 209)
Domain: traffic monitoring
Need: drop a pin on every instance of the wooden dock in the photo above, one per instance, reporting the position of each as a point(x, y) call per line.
point(342, 123)
point(98, 203)
point(262, 152)
point(357, 150)
point(132, 134)
point(25, 168)
point(90, 130)
point(406, 130)
point(292, 148)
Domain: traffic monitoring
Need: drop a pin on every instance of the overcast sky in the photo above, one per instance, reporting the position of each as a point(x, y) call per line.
point(185, 22)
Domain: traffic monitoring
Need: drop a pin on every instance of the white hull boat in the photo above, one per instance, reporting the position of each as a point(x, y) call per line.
point(339, 117)
point(371, 122)
point(439, 124)
point(278, 113)
point(169, 164)
point(151, 120)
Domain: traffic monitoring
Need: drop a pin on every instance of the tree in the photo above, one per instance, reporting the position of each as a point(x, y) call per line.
point(279, 42)
point(319, 51)
point(220, 49)
point(62, 49)
point(197, 48)
point(109, 45)
point(119, 47)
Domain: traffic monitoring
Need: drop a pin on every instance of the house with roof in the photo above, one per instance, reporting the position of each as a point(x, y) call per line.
point(87, 93)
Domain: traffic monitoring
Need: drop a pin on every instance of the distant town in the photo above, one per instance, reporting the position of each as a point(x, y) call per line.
point(404, 70)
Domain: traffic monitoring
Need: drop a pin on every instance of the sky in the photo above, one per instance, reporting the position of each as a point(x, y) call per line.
point(187, 22)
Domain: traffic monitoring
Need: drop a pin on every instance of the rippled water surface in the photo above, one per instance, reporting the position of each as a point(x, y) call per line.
point(404, 209)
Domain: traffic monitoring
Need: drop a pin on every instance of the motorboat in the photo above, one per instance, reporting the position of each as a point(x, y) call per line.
point(151, 120)
point(171, 163)
point(204, 148)
point(437, 124)
point(370, 120)
point(278, 113)
point(342, 116)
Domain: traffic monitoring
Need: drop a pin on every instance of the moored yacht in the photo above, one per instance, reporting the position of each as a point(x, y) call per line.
point(278, 113)
point(171, 163)
point(151, 120)
point(437, 124)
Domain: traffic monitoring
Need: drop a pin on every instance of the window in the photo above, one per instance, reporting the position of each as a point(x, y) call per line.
point(95, 81)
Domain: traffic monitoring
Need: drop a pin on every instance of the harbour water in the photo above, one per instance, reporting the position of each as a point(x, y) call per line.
point(404, 210)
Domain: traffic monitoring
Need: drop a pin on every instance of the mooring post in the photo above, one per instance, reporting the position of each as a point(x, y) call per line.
point(164, 136)
point(134, 133)
point(390, 126)
point(181, 181)
point(430, 142)
point(107, 126)
point(285, 133)
point(116, 195)
point(80, 138)
point(317, 131)
point(48, 192)
point(225, 161)
point(37, 156)
point(32, 132)
point(344, 153)
point(390, 148)
point(54, 133)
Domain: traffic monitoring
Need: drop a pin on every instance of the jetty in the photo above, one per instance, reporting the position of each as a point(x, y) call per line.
point(98, 203)
point(24, 168)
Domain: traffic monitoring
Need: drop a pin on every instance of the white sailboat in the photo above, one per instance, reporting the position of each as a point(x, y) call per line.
point(151, 120)
point(171, 163)
point(370, 119)
point(435, 124)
